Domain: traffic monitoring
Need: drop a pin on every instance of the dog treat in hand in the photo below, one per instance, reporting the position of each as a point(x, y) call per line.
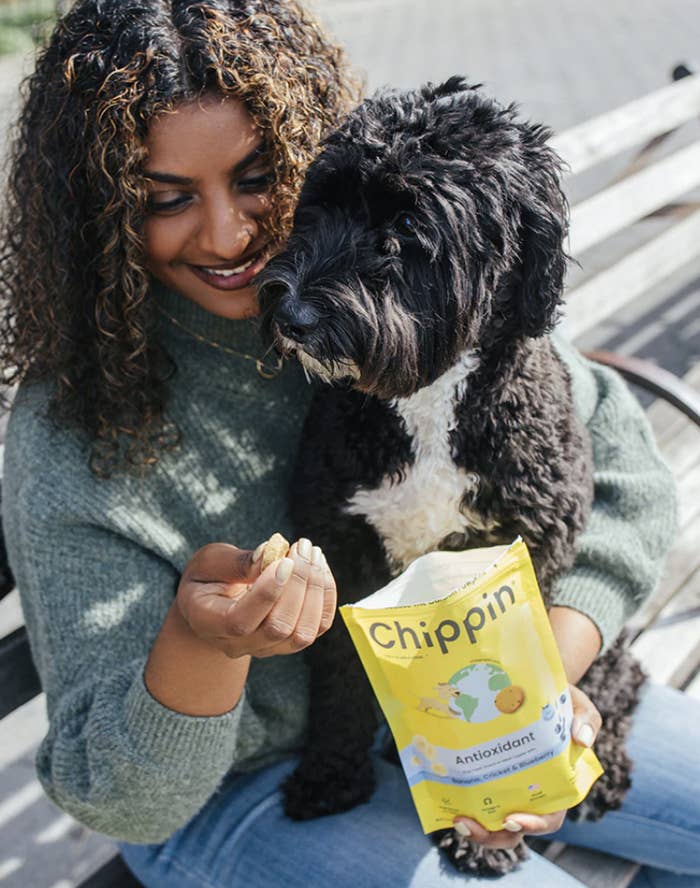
point(473, 687)
point(276, 547)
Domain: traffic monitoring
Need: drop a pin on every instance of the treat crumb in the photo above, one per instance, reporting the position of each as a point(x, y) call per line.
point(276, 547)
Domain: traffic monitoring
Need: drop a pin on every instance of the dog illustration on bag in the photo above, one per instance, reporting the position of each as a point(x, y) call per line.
point(441, 703)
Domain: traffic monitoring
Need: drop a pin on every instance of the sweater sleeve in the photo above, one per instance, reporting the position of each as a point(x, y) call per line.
point(633, 519)
point(114, 757)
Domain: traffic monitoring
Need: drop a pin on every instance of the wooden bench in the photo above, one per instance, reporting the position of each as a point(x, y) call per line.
point(665, 633)
point(673, 612)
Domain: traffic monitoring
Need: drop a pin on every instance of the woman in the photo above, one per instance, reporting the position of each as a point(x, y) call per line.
point(159, 155)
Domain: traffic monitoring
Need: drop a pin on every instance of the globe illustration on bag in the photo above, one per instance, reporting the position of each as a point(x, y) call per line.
point(478, 685)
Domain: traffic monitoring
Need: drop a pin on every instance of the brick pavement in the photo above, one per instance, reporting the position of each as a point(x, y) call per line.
point(563, 62)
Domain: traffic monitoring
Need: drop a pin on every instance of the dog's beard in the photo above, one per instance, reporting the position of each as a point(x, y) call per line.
point(335, 371)
point(326, 358)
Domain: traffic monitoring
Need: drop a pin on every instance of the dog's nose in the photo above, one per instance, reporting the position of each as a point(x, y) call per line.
point(296, 319)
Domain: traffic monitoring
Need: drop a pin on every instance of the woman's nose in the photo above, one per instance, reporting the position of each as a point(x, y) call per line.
point(226, 230)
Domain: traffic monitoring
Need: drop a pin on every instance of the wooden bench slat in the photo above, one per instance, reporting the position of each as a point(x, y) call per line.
point(608, 212)
point(596, 869)
point(114, 874)
point(654, 379)
point(670, 654)
point(666, 421)
point(609, 134)
point(693, 689)
point(670, 648)
point(682, 563)
point(684, 558)
point(689, 498)
point(681, 451)
point(605, 293)
point(19, 681)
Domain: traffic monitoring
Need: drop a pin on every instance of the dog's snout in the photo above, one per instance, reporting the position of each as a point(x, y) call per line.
point(296, 319)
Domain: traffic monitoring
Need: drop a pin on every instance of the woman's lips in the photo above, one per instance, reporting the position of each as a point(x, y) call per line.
point(227, 279)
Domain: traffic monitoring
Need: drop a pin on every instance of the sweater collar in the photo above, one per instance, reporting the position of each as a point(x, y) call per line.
point(187, 317)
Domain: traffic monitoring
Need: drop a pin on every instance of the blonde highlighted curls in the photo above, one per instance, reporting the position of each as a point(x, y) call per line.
point(72, 265)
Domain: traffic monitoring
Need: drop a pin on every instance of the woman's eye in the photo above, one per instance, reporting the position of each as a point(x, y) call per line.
point(256, 183)
point(155, 205)
point(405, 225)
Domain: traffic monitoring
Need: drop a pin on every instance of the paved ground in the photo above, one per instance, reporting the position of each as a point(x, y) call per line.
point(563, 63)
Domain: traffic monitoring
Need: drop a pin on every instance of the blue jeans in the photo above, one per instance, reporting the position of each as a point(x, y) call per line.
point(242, 837)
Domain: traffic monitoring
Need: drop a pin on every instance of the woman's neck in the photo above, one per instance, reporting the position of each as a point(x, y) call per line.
point(181, 312)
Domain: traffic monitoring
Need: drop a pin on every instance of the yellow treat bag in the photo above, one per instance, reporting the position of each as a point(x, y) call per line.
point(473, 687)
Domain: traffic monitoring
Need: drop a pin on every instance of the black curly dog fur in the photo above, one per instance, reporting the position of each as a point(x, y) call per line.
point(424, 271)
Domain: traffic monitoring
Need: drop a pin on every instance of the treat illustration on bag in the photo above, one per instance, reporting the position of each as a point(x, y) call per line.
point(461, 656)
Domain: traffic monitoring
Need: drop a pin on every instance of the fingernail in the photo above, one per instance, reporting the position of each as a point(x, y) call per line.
point(304, 548)
point(462, 829)
point(512, 826)
point(284, 571)
point(257, 555)
point(586, 735)
point(317, 556)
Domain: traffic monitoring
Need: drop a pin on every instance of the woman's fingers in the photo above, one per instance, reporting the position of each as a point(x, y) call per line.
point(587, 720)
point(279, 611)
point(330, 599)
point(221, 563)
point(465, 826)
point(309, 620)
point(516, 826)
point(206, 606)
point(535, 824)
point(249, 612)
point(319, 588)
point(280, 624)
point(218, 608)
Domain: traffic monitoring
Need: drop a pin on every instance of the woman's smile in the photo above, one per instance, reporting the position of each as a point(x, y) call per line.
point(229, 276)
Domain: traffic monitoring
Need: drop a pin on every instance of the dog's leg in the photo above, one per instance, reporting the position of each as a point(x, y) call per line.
point(469, 857)
point(335, 772)
point(614, 683)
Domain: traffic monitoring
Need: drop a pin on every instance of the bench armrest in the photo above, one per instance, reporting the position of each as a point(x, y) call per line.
point(654, 379)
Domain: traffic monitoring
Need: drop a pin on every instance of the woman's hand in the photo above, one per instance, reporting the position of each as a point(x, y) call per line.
point(584, 729)
point(227, 602)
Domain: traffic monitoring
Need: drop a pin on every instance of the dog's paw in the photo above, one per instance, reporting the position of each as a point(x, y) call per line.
point(469, 857)
point(315, 790)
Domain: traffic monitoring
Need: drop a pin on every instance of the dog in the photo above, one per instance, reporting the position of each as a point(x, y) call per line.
point(423, 273)
point(440, 703)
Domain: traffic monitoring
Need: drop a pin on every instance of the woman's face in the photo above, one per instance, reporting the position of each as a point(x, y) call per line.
point(208, 178)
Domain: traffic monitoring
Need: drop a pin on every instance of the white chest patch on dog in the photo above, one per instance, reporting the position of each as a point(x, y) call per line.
point(414, 515)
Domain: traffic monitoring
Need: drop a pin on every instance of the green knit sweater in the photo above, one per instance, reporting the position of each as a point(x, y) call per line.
point(97, 563)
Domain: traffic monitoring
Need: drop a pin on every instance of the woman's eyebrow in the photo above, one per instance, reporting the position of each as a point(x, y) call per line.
point(168, 178)
point(259, 151)
point(171, 179)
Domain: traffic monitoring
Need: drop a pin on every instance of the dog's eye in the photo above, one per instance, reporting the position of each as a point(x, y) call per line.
point(405, 225)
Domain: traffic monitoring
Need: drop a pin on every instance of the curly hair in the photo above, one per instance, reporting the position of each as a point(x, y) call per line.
point(72, 264)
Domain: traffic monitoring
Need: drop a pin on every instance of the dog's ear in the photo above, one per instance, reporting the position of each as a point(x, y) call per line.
point(543, 227)
point(456, 84)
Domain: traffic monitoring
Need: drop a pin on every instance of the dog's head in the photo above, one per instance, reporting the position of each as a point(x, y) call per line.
point(431, 223)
